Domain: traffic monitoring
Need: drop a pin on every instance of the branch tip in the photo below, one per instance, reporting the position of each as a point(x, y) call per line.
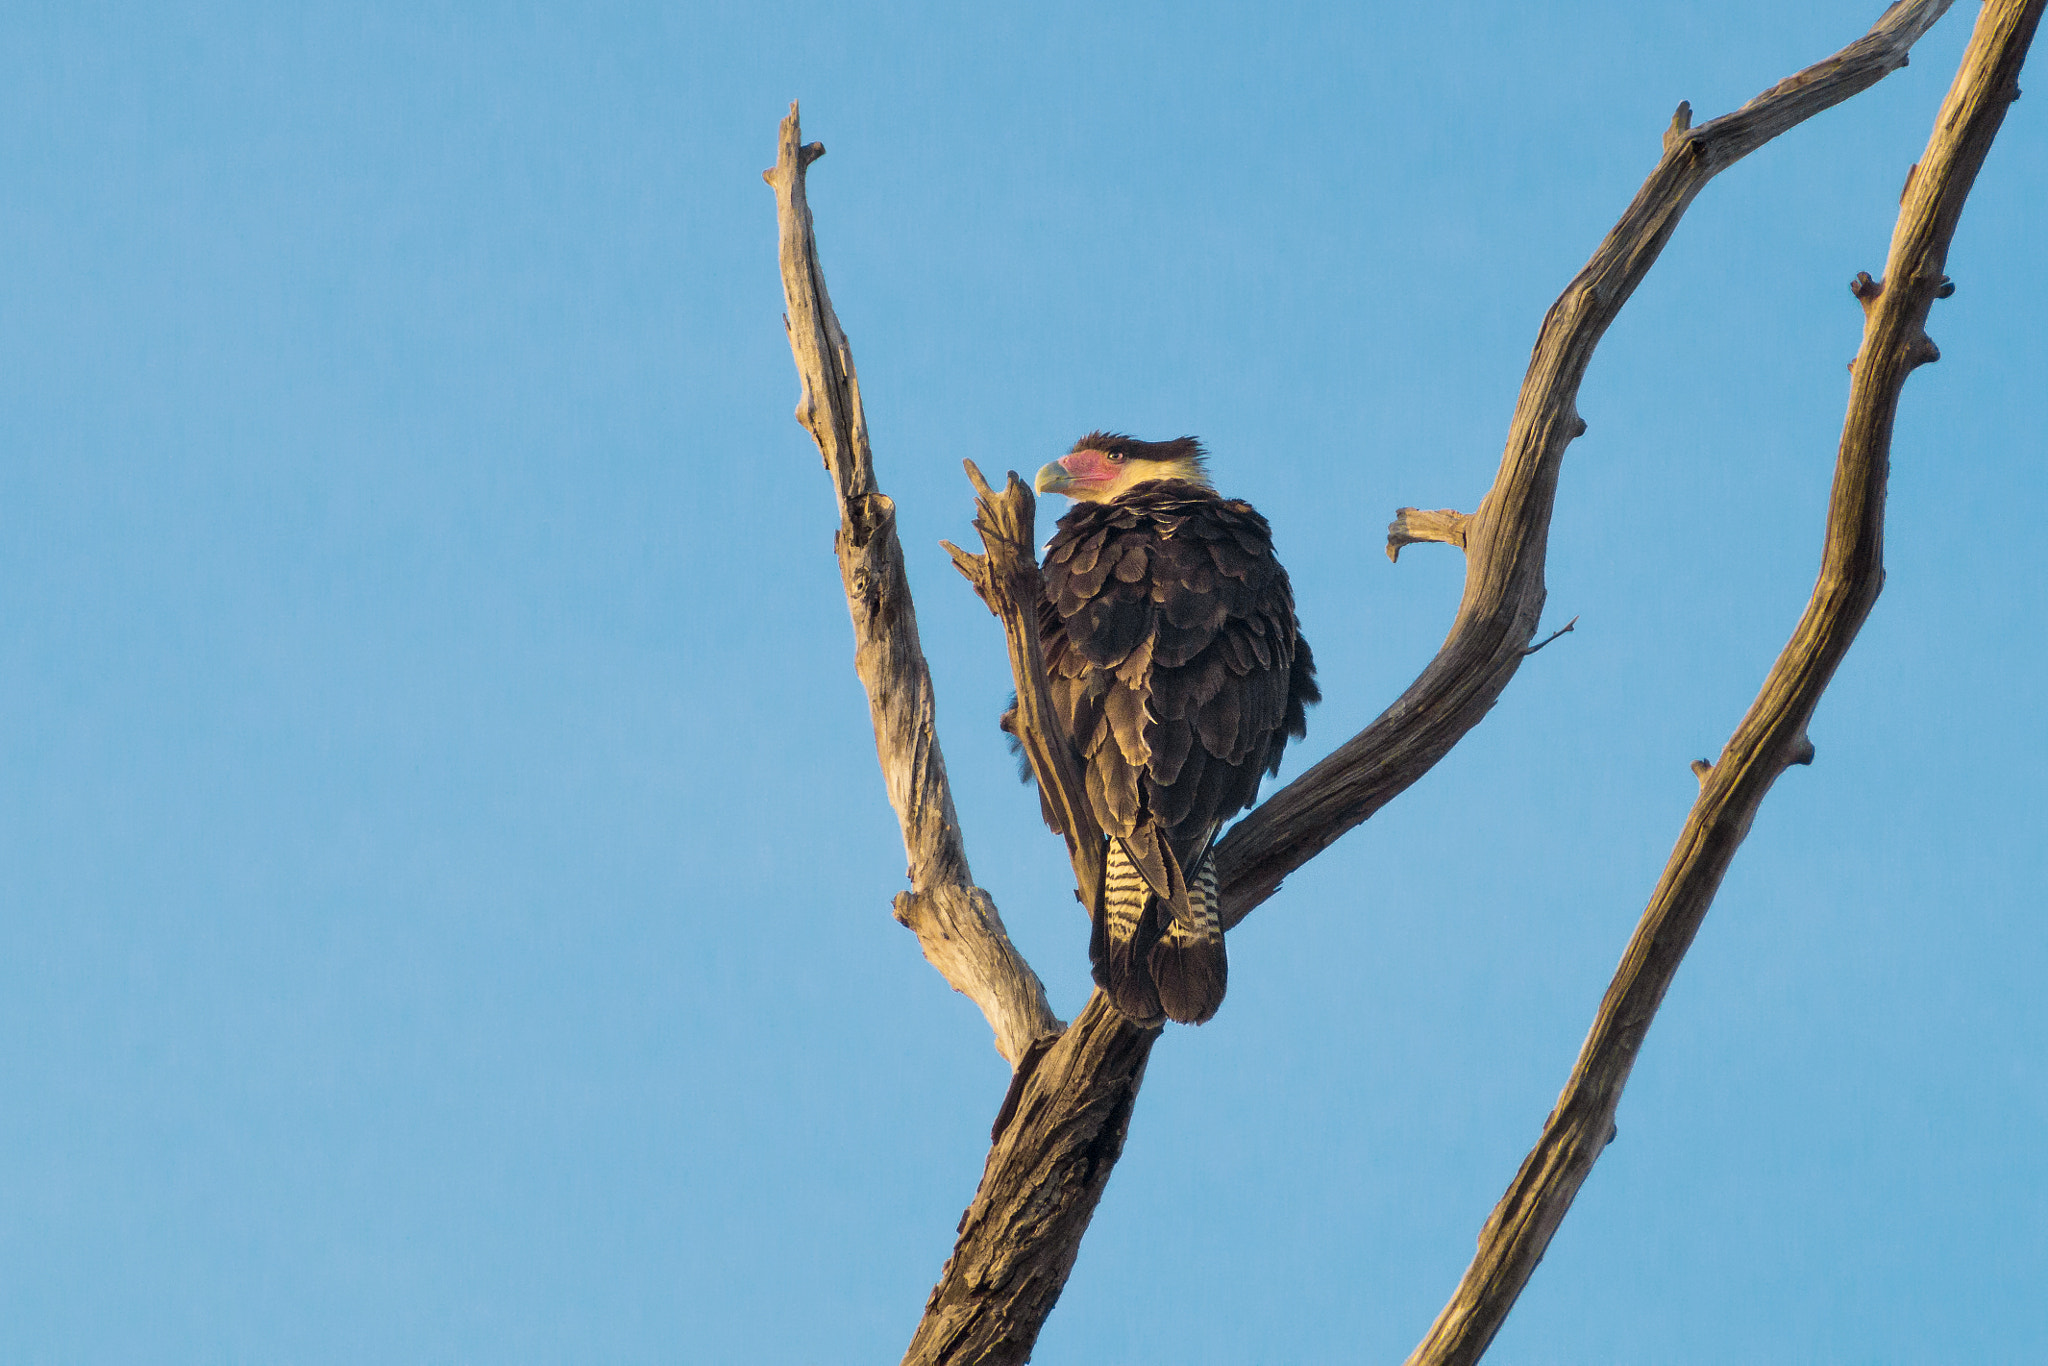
point(1946, 289)
point(1528, 650)
point(1681, 123)
point(1802, 753)
point(1702, 769)
point(1866, 290)
point(974, 477)
point(809, 153)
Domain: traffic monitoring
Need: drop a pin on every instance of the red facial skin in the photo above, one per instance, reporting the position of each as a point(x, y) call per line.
point(1081, 474)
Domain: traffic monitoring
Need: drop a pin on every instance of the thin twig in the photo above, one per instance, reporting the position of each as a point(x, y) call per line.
point(1528, 650)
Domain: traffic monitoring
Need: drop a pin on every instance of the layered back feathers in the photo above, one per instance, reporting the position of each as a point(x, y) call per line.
point(1175, 660)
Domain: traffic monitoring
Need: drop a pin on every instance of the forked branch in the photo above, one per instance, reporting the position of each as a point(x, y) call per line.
point(1772, 736)
point(1065, 1131)
point(1006, 577)
point(1505, 540)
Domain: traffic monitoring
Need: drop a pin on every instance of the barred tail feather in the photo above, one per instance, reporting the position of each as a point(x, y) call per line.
point(1121, 943)
point(1187, 962)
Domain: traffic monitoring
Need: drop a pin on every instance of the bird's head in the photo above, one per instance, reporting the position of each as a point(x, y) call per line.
point(1106, 465)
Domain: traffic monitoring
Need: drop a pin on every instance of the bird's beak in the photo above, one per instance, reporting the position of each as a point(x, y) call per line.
point(1053, 478)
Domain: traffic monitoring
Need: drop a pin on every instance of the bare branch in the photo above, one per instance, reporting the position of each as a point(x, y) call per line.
point(1772, 736)
point(1413, 526)
point(1506, 538)
point(1007, 579)
point(955, 921)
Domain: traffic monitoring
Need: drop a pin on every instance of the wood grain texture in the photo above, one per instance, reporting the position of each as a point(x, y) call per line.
point(1772, 735)
point(1039, 1188)
point(1006, 577)
point(1414, 526)
point(1506, 539)
point(956, 922)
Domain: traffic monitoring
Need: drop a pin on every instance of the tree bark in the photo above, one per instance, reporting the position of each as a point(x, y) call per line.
point(1044, 1175)
point(1772, 736)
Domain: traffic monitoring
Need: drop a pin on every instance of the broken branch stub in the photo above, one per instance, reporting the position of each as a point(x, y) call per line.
point(1413, 526)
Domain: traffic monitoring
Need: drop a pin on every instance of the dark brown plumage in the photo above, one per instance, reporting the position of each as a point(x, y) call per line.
point(1174, 658)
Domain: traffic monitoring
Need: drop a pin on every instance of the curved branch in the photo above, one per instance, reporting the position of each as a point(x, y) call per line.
point(956, 922)
point(1505, 539)
point(1772, 736)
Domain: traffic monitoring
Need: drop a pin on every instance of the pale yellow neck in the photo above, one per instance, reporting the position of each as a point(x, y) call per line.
point(1147, 472)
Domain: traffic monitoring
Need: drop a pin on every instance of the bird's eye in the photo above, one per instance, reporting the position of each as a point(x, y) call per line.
point(1114, 457)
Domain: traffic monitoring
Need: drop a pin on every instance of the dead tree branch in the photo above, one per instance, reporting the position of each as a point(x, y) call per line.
point(1505, 543)
point(1039, 1188)
point(1505, 540)
point(1413, 526)
point(955, 921)
point(1062, 1124)
point(1772, 736)
point(1066, 1117)
point(1006, 577)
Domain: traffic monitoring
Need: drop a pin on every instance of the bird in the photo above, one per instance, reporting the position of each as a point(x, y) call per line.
point(1174, 659)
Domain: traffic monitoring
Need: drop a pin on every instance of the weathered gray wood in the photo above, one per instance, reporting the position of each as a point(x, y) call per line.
point(956, 922)
point(1772, 736)
point(1505, 540)
point(1039, 1188)
point(1414, 526)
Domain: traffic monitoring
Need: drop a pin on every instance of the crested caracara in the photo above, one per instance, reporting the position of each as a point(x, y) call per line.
point(1176, 664)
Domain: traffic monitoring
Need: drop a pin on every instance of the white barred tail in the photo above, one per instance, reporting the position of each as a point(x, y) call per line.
point(1152, 963)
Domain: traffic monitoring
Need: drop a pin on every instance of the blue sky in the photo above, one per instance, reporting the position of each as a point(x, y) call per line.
point(443, 871)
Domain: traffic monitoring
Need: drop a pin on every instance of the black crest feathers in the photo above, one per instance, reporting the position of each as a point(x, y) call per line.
point(1181, 448)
